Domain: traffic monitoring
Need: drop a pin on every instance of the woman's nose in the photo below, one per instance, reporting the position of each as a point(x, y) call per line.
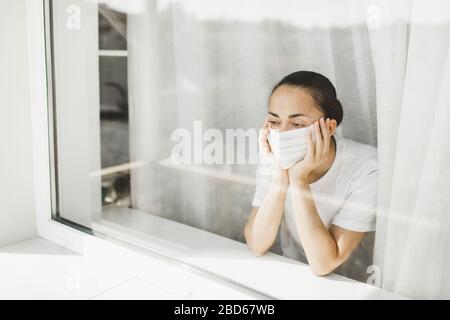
point(284, 127)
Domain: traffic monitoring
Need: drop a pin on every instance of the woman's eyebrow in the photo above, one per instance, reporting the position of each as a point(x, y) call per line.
point(298, 115)
point(274, 114)
point(290, 116)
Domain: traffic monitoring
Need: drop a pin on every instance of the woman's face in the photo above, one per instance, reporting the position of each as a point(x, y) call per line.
point(292, 108)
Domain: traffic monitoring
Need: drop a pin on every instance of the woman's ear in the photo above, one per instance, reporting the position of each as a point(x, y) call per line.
point(332, 125)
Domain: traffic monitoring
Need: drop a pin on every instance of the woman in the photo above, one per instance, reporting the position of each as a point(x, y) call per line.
point(325, 201)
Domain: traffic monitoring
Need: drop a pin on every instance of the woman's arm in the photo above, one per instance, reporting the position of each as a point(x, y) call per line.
point(325, 249)
point(262, 226)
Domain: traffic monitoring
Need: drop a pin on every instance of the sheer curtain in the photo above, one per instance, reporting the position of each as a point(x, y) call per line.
point(412, 66)
point(216, 61)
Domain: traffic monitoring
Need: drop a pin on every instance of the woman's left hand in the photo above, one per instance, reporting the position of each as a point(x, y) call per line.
point(317, 152)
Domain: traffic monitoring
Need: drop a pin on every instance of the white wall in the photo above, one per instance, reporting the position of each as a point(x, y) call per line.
point(17, 217)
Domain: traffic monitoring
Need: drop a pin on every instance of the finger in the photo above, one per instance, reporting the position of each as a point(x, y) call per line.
point(311, 151)
point(266, 123)
point(267, 131)
point(263, 141)
point(265, 148)
point(263, 130)
point(325, 134)
point(319, 141)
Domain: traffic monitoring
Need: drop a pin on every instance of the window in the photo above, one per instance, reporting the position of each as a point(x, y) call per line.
point(114, 107)
point(155, 106)
point(133, 79)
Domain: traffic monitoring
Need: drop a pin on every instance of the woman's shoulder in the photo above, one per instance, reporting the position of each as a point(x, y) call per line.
point(359, 156)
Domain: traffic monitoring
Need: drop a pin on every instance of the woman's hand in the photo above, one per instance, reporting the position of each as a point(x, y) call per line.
point(280, 176)
point(317, 153)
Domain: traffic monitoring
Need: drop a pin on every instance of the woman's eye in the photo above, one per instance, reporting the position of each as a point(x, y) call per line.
point(298, 125)
point(273, 123)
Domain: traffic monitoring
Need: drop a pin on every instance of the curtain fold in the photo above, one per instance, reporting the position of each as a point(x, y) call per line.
point(412, 71)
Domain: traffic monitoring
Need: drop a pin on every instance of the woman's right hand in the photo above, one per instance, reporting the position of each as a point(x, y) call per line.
point(280, 176)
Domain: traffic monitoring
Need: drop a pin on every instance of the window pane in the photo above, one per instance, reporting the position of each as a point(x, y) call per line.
point(159, 104)
point(114, 130)
point(112, 29)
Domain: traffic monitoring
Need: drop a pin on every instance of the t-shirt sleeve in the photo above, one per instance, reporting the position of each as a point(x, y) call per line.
point(359, 210)
point(263, 179)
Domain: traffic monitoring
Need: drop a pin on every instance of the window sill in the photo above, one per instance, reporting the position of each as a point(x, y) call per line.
point(268, 276)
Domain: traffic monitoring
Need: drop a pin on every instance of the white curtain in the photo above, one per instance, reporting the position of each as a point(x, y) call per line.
point(216, 61)
point(412, 67)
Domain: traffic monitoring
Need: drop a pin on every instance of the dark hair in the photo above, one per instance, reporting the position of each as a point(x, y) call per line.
point(320, 88)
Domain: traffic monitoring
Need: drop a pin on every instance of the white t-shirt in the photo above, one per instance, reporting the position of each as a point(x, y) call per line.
point(345, 196)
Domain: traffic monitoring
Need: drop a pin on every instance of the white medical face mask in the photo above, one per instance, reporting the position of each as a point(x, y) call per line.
point(289, 147)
